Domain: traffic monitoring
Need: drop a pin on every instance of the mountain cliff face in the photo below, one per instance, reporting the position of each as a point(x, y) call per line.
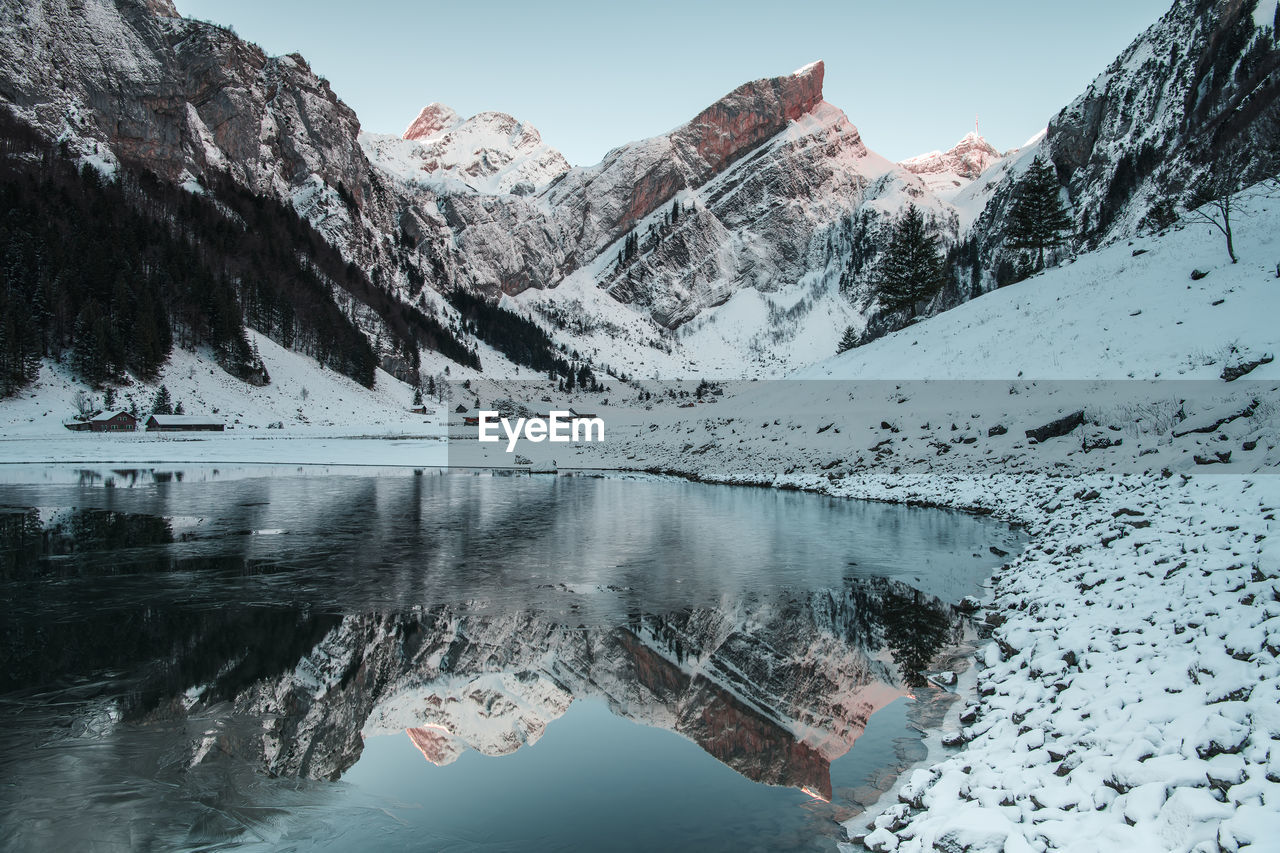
point(135, 81)
point(130, 84)
point(741, 198)
point(755, 180)
point(1204, 78)
point(1195, 92)
point(1199, 85)
point(601, 202)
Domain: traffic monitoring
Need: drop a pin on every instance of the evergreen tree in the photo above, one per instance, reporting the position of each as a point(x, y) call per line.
point(675, 212)
point(917, 630)
point(848, 340)
point(163, 404)
point(912, 270)
point(1037, 219)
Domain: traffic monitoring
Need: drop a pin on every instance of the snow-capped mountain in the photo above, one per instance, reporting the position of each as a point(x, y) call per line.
point(490, 153)
point(751, 179)
point(945, 173)
point(732, 200)
point(744, 241)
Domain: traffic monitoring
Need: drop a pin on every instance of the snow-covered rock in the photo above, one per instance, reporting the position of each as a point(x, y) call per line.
point(490, 153)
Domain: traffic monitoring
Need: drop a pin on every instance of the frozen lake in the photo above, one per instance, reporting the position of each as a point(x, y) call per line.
point(203, 658)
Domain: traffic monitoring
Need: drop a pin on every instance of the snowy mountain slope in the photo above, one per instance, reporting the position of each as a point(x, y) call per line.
point(751, 333)
point(1129, 310)
point(1200, 79)
point(490, 153)
point(132, 82)
point(301, 393)
point(760, 225)
point(971, 200)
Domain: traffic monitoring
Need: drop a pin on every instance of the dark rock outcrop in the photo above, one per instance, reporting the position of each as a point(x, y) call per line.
point(1057, 428)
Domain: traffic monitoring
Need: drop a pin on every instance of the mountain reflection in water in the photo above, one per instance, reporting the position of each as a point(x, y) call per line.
point(191, 662)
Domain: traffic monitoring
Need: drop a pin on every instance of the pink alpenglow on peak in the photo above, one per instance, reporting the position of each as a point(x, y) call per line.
point(749, 115)
point(490, 153)
point(968, 158)
point(948, 173)
point(434, 118)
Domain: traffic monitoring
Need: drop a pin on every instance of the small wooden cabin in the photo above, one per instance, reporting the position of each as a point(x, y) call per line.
point(117, 421)
point(184, 423)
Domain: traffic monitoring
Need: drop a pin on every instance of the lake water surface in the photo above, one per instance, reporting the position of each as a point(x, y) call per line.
point(288, 659)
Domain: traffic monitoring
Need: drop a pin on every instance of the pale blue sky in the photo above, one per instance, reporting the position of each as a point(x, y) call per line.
point(590, 76)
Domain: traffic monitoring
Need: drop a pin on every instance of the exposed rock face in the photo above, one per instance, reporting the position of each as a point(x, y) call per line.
point(748, 116)
point(754, 226)
point(483, 203)
point(759, 174)
point(434, 118)
point(131, 81)
point(636, 179)
point(772, 186)
point(175, 95)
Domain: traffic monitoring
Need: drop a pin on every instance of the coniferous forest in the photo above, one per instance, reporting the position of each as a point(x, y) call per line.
point(111, 274)
point(518, 338)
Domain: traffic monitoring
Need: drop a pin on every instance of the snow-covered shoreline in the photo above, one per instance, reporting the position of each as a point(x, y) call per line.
point(1130, 694)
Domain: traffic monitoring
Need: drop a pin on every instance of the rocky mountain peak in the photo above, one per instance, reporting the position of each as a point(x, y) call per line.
point(967, 159)
point(749, 115)
point(491, 152)
point(434, 118)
